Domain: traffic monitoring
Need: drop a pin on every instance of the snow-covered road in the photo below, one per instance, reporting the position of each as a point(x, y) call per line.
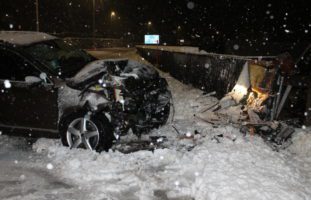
point(200, 162)
point(25, 174)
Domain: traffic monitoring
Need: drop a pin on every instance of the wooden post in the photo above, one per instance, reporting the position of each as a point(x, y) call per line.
point(308, 106)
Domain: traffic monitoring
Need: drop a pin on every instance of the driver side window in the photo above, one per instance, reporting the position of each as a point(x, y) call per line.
point(15, 68)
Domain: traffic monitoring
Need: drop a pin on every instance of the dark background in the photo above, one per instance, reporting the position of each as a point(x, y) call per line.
point(237, 26)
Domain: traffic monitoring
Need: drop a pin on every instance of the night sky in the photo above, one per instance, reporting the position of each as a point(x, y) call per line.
point(209, 24)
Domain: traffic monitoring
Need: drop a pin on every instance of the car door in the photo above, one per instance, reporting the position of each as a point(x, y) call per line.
point(25, 104)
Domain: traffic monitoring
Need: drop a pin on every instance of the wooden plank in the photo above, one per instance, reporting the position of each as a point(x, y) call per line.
point(253, 117)
point(283, 100)
point(308, 107)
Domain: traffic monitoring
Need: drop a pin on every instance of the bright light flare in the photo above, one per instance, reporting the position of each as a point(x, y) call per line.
point(113, 14)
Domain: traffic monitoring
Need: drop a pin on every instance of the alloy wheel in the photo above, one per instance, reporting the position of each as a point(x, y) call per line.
point(82, 132)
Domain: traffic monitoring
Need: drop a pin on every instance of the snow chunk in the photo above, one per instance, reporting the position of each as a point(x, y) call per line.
point(190, 5)
point(90, 70)
point(49, 166)
point(302, 143)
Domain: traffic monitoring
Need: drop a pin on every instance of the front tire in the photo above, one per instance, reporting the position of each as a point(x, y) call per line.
point(89, 132)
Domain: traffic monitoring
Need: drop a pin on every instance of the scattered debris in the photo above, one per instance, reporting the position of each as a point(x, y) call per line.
point(285, 96)
point(254, 105)
point(226, 102)
point(256, 101)
point(176, 130)
point(210, 107)
point(207, 95)
point(154, 142)
point(284, 134)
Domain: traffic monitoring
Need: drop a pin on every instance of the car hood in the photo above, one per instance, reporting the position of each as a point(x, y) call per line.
point(95, 70)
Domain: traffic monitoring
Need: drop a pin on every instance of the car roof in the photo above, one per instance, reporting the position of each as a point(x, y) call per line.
point(24, 38)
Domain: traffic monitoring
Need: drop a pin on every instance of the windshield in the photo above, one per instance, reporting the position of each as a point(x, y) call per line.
point(60, 57)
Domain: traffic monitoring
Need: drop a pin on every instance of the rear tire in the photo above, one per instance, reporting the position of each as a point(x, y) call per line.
point(97, 133)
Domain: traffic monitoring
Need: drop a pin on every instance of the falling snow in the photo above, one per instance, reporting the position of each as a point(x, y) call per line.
point(7, 84)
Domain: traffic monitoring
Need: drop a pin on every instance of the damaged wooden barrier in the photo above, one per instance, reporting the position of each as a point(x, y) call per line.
point(258, 84)
point(253, 103)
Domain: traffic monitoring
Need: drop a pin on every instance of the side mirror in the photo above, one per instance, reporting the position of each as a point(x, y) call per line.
point(43, 77)
point(32, 79)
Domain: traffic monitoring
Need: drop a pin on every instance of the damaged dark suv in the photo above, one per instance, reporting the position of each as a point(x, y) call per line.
point(46, 85)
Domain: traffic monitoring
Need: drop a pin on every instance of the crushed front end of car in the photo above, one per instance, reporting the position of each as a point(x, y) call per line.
point(132, 95)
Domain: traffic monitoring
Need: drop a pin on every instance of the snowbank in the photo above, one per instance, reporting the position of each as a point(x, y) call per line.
point(222, 168)
point(302, 144)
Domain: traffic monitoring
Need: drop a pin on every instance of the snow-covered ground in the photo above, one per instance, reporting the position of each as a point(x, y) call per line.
point(27, 175)
point(199, 162)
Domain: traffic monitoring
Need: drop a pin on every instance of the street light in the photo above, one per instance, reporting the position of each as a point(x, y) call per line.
point(37, 16)
point(93, 18)
point(149, 27)
point(100, 2)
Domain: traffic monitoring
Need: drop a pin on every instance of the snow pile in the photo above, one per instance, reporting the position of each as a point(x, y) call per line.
point(302, 144)
point(8, 144)
point(186, 99)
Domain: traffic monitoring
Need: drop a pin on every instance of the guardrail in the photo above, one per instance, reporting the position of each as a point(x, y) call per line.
point(206, 71)
point(95, 43)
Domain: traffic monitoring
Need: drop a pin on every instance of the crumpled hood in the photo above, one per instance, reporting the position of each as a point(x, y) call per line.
point(94, 71)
